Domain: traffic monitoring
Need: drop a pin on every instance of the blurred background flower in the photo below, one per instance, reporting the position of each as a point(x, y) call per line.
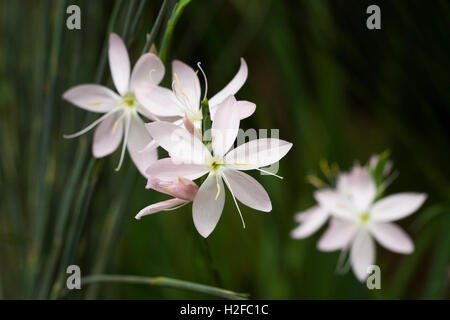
point(334, 88)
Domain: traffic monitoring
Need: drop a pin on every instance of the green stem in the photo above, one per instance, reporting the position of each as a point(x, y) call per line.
point(165, 282)
point(156, 26)
point(77, 223)
point(113, 227)
point(51, 84)
point(211, 265)
point(134, 23)
point(130, 12)
point(60, 227)
point(42, 214)
point(206, 124)
point(176, 14)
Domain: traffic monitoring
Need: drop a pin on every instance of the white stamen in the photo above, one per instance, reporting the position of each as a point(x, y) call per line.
point(181, 97)
point(235, 202)
point(116, 123)
point(152, 145)
point(176, 207)
point(125, 140)
point(270, 173)
point(89, 127)
point(144, 112)
point(206, 80)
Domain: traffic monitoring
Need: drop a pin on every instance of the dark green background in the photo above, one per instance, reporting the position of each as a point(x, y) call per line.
point(334, 88)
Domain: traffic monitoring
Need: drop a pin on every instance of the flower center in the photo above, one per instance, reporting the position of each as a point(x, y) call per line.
point(364, 217)
point(129, 99)
point(215, 165)
point(194, 116)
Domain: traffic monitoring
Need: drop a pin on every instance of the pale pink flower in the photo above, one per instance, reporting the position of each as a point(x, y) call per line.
point(312, 219)
point(183, 191)
point(184, 98)
point(358, 218)
point(121, 119)
point(190, 158)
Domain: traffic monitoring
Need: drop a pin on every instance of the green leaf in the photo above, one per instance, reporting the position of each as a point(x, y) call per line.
point(166, 282)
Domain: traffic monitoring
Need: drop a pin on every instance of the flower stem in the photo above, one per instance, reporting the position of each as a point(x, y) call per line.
point(134, 22)
point(130, 12)
point(76, 225)
point(156, 26)
point(113, 226)
point(165, 282)
point(42, 214)
point(176, 13)
point(206, 124)
point(211, 265)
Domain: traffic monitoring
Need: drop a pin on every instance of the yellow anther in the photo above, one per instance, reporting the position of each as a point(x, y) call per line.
point(177, 80)
point(335, 169)
point(315, 181)
point(181, 180)
point(196, 72)
point(218, 191)
point(115, 127)
point(93, 103)
point(323, 164)
point(240, 164)
point(167, 189)
point(179, 86)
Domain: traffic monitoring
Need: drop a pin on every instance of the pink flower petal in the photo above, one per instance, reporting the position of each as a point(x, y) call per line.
point(186, 83)
point(148, 69)
point(231, 88)
point(257, 153)
point(310, 220)
point(337, 236)
point(208, 205)
point(108, 135)
point(225, 126)
point(119, 63)
point(178, 142)
point(167, 169)
point(397, 206)
point(359, 187)
point(92, 97)
point(157, 100)
point(160, 206)
point(392, 237)
point(336, 204)
point(362, 254)
point(245, 108)
point(181, 188)
point(138, 139)
point(248, 191)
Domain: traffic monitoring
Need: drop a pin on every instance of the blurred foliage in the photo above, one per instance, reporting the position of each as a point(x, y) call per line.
point(334, 88)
